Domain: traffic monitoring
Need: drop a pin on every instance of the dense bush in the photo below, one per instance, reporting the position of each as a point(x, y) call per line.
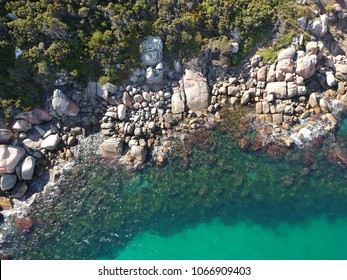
point(91, 38)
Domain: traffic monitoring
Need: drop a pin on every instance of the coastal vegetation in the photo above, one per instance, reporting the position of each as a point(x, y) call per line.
point(88, 40)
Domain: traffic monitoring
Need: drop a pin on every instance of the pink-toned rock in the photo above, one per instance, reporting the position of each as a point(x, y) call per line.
point(196, 90)
point(292, 89)
point(278, 89)
point(21, 126)
point(261, 74)
point(280, 75)
point(63, 105)
point(10, 156)
point(271, 74)
point(288, 53)
point(138, 98)
point(286, 65)
point(146, 96)
point(27, 116)
point(42, 115)
point(127, 99)
point(306, 66)
point(24, 224)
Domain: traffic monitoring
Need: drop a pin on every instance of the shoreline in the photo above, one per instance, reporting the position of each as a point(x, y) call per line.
point(139, 125)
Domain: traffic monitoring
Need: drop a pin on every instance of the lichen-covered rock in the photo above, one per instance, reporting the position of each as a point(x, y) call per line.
point(51, 142)
point(196, 90)
point(152, 51)
point(63, 105)
point(10, 156)
point(28, 166)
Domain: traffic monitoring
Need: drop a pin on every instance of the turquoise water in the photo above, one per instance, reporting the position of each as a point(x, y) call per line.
point(316, 239)
point(210, 201)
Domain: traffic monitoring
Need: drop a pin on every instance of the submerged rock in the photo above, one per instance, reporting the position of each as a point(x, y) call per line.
point(24, 224)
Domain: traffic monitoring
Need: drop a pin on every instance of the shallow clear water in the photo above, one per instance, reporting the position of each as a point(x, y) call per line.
point(218, 203)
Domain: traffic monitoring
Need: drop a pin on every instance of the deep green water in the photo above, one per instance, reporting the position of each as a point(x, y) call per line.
point(217, 203)
point(315, 239)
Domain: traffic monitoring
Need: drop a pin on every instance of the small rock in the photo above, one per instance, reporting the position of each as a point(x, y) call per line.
point(7, 181)
point(5, 136)
point(27, 168)
point(6, 203)
point(51, 142)
point(331, 119)
point(10, 156)
point(19, 189)
point(330, 79)
point(139, 153)
point(122, 111)
point(341, 72)
point(112, 147)
point(21, 125)
point(127, 99)
point(63, 105)
point(313, 100)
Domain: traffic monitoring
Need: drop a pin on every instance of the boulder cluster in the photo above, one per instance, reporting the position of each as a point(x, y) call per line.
point(157, 107)
point(296, 92)
point(138, 118)
point(34, 143)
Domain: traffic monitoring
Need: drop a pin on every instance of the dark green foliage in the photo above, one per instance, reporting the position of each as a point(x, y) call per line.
point(89, 38)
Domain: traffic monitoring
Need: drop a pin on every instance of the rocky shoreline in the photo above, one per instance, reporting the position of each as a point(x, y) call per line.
point(299, 96)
